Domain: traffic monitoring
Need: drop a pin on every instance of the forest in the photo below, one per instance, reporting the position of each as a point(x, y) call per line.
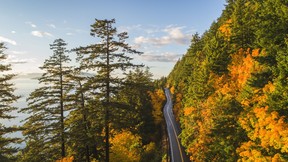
point(230, 95)
point(230, 89)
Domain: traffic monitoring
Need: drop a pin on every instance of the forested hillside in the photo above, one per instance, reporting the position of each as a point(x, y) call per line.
point(230, 88)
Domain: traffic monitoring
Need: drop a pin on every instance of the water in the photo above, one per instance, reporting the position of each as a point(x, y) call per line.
point(24, 86)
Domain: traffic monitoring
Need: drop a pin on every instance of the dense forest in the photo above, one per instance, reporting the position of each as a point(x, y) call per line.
point(229, 90)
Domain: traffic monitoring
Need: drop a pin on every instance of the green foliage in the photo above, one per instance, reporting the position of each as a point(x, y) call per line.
point(44, 129)
point(7, 98)
point(230, 75)
point(105, 58)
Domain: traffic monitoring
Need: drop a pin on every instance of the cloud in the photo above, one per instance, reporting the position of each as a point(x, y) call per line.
point(172, 34)
point(148, 29)
point(28, 76)
point(41, 34)
point(7, 40)
point(12, 59)
point(52, 26)
point(17, 52)
point(13, 32)
point(165, 57)
point(69, 33)
point(31, 24)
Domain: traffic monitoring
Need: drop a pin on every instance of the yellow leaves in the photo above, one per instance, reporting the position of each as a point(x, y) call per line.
point(225, 29)
point(240, 70)
point(172, 90)
point(277, 158)
point(66, 159)
point(202, 124)
point(248, 151)
point(157, 100)
point(269, 129)
point(241, 67)
point(269, 88)
point(126, 147)
point(260, 96)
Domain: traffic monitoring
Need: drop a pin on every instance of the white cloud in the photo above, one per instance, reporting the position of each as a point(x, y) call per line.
point(141, 39)
point(7, 40)
point(31, 24)
point(12, 59)
point(13, 32)
point(52, 26)
point(69, 33)
point(172, 34)
point(149, 29)
point(18, 52)
point(41, 34)
point(164, 57)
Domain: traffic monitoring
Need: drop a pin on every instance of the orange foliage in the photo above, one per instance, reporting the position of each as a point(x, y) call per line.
point(172, 90)
point(241, 67)
point(188, 110)
point(266, 127)
point(204, 123)
point(248, 152)
point(225, 29)
point(66, 159)
point(240, 71)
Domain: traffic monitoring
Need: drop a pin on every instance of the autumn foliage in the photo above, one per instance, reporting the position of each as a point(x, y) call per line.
point(233, 104)
point(66, 159)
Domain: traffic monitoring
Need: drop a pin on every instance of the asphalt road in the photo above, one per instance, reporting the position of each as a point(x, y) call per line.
point(176, 150)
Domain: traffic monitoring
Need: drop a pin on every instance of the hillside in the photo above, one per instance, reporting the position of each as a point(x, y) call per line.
point(230, 88)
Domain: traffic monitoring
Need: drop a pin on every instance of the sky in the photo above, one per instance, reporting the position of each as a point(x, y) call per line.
point(161, 29)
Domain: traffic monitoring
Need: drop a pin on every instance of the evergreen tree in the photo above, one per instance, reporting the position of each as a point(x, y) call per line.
point(7, 98)
point(44, 129)
point(84, 130)
point(134, 94)
point(106, 57)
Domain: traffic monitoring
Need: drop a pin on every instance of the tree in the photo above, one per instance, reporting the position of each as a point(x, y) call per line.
point(127, 147)
point(7, 98)
point(106, 57)
point(138, 113)
point(45, 127)
point(82, 121)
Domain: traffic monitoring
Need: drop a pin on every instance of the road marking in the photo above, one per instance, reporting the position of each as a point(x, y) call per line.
point(174, 130)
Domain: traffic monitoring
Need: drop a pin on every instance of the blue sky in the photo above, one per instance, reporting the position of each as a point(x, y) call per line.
point(160, 28)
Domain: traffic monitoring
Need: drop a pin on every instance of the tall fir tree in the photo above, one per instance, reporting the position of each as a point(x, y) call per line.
point(106, 57)
point(44, 129)
point(7, 98)
point(134, 94)
point(84, 129)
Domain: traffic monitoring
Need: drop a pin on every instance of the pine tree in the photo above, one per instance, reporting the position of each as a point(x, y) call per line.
point(82, 120)
point(106, 57)
point(7, 98)
point(45, 127)
point(138, 113)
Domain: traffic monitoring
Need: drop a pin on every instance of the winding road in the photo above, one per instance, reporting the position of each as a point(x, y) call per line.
point(176, 150)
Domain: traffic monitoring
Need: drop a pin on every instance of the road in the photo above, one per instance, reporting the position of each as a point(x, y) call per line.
point(177, 151)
